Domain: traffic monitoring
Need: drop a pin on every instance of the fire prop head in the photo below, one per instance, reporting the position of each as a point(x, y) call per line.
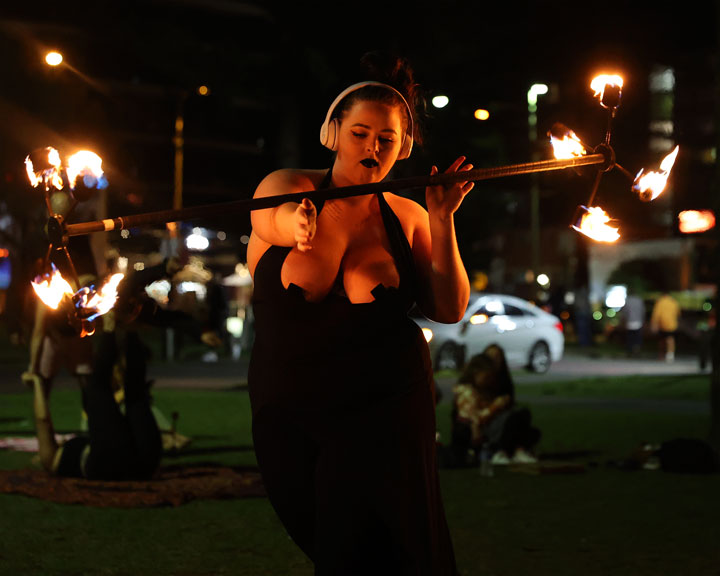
point(651, 184)
point(590, 220)
point(66, 184)
point(82, 306)
point(608, 89)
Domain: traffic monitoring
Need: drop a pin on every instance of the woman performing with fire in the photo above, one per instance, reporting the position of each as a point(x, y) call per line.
point(340, 377)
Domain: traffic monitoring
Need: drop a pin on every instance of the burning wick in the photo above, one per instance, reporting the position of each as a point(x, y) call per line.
point(43, 166)
point(85, 173)
point(650, 185)
point(90, 304)
point(87, 304)
point(51, 288)
point(609, 88)
point(593, 223)
point(565, 142)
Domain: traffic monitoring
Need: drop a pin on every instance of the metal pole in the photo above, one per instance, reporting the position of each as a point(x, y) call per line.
point(249, 204)
point(535, 91)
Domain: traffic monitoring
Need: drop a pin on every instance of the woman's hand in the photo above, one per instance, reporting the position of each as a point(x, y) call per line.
point(444, 200)
point(305, 225)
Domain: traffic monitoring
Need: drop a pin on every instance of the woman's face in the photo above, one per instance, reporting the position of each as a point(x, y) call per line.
point(370, 139)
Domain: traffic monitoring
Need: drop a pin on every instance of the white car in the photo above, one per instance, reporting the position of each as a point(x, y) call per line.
point(531, 337)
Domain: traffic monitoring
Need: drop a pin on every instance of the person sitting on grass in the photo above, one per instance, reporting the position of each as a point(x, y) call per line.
point(485, 413)
point(121, 444)
point(123, 441)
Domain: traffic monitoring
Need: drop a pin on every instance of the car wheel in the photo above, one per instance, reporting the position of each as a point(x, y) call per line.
point(539, 360)
point(450, 357)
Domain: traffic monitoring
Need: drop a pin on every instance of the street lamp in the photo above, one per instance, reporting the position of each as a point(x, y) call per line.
point(532, 98)
point(53, 58)
point(179, 145)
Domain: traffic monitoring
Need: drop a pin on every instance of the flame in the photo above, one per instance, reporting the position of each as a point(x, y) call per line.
point(90, 303)
point(608, 87)
point(49, 173)
point(599, 83)
point(51, 288)
point(650, 185)
point(593, 222)
point(88, 166)
point(693, 221)
point(569, 146)
point(87, 303)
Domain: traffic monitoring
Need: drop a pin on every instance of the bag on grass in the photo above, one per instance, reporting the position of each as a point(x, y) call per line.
point(688, 455)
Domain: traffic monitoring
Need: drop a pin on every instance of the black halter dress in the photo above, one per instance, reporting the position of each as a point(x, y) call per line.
point(344, 423)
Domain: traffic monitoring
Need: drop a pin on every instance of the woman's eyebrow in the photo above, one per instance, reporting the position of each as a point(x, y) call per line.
point(361, 125)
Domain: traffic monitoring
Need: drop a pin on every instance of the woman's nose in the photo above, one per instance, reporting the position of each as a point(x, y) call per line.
point(373, 145)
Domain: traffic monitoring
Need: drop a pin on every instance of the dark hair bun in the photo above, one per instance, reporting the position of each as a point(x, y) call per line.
point(395, 70)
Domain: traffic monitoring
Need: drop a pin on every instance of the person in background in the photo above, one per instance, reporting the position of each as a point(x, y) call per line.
point(664, 322)
point(54, 344)
point(470, 413)
point(582, 315)
point(123, 442)
point(485, 413)
point(633, 314)
point(217, 310)
point(706, 328)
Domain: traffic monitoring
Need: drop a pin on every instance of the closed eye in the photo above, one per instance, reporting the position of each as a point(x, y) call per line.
point(363, 135)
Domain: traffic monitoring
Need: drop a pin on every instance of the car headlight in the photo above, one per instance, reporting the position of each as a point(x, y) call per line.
point(428, 334)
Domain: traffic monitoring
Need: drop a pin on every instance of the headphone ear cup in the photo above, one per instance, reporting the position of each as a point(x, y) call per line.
point(328, 134)
point(332, 133)
point(406, 147)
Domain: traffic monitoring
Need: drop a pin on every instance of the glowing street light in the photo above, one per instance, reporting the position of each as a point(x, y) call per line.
point(53, 58)
point(532, 98)
point(481, 114)
point(543, 280)
point(440, 101)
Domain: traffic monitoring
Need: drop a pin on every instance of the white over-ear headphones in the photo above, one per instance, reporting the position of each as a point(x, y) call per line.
point(329, 128)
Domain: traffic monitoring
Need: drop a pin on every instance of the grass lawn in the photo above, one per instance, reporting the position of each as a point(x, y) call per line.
point(598, 521)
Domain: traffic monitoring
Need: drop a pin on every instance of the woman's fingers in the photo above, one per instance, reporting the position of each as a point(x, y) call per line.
point(305, 224)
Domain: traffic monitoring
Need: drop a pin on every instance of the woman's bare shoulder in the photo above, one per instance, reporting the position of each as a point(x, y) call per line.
point(406, 207)
point(287, 180)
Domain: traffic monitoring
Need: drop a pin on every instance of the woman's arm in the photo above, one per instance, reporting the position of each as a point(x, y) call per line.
point(291, 223)
point(445, 287)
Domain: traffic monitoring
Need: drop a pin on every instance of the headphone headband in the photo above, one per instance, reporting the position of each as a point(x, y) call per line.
point(329, 128)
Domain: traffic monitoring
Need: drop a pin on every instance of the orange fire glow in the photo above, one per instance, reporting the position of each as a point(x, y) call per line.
point(85, 305)
point(593, 223)
point(91, 303)
point(569, 146)
point(48, 172)
point(651, 184)
point(694, 221)
point(52, 288)
point(84, 164)
point(607, 88)
point(600, 81)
